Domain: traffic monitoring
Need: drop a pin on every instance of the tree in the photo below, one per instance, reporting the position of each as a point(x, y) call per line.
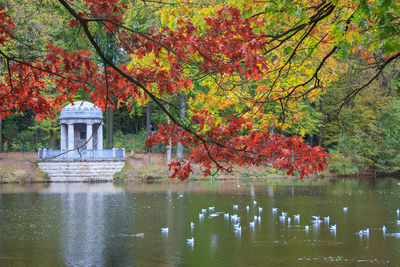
point(363, 136)
point(51, 127)
point(1, 137)
point(241, 67)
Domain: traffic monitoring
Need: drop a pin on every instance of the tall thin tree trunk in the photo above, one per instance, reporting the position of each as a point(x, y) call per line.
point(52, 140)
point(182, 110)
point(169, 146)
point(36, 137)
point(109, 127)
point(320, 127)
point(1, 138)
point(148, 123)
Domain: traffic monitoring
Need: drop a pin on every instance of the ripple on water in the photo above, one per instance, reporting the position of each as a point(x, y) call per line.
point(326, 259)
point(97, 227)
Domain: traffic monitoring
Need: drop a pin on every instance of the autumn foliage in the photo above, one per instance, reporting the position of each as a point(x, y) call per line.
point(235, 58)
point(238, 143)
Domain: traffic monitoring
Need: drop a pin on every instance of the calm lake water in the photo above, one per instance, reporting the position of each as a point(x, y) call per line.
point(120, 225)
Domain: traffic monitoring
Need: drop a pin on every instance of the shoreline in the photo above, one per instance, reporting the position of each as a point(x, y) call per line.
point(19, 168)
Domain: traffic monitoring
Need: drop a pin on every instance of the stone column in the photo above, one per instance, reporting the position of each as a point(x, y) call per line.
point(100, 137)
point(63, 137)
point(89, 137)
point(71, 141)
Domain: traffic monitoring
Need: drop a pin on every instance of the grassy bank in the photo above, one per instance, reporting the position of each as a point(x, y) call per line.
point(20, 168)
point(138, 168)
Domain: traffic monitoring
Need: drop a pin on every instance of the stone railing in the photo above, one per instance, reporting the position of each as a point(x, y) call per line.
point(48, 154)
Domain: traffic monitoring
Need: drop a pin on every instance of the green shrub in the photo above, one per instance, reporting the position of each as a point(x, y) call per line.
point(341, 164)
point(120, 176)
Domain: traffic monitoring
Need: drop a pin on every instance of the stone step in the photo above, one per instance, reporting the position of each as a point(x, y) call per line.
point(81, 171)
point(85, 172)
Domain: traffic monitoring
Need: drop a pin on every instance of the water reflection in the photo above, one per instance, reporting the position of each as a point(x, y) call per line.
point(83, 241)
point(83, 219)
point(121, 225)
point(88, 188)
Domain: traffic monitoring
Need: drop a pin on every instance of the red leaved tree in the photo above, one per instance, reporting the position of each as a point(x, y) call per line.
point(229, 46)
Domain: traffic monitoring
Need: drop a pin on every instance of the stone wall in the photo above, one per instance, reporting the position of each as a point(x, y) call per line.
point(81, 171)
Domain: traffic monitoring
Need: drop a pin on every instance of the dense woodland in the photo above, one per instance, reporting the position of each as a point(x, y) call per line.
point(350, 50)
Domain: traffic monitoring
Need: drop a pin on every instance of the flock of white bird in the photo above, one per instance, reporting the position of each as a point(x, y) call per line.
point(284, 218)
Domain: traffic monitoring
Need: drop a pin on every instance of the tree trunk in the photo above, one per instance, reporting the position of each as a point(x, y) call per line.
point(148, 123)
point(1, 138)
point(271, 128)
point(182, 109)
point(169, 146)
point(52, 140)
point(36, 138)
point(109, 127)
point(148, 119)
point(320, 127)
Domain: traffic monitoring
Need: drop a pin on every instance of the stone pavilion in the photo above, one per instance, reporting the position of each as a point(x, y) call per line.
point(81, 157)
point(77, 123)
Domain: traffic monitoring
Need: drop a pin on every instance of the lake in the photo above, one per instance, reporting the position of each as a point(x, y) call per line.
point(109, 224)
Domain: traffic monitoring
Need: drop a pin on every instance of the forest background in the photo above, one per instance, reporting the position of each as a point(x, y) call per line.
point(361, 130)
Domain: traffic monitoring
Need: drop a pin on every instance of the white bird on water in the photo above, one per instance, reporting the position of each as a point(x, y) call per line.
point(398, 212)
point(191, 225)
point(201, 216)
point(260, 209)
point(333, 229)
point(164, 230)
point(203, 211)
point(226, 215)
point(306, 228)
point(190, 241)
point(316, 220)
point(364, 232)
point(254, 202)
point(274, 210)
point(235, 218)
point(326, 219)
point(384, 229)
point(247, 208)
point(211, 208)
point(296, 217)
point(252, 224)
point(345, 209)
point(235, 207)
point(288, 221)
point(398, 222)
